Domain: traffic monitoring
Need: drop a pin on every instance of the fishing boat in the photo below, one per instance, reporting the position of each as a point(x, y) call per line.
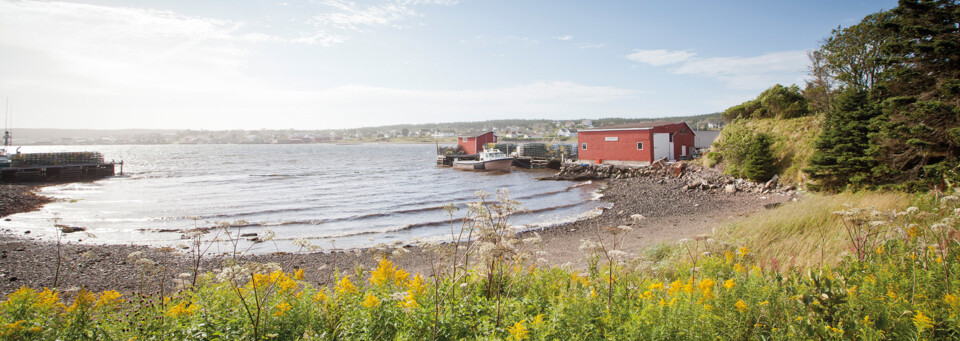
point(5, 160)
point(487, 160)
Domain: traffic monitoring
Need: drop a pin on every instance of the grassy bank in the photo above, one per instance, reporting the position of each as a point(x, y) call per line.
point(896, 280)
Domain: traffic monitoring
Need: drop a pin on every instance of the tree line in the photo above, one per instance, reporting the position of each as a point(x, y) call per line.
point(888, 88)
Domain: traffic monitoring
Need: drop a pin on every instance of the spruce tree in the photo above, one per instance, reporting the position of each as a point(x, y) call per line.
point(843, 150)
point(759, 164)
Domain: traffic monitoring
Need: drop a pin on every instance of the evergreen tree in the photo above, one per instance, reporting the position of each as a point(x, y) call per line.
point(759, 163)
point(843, 150)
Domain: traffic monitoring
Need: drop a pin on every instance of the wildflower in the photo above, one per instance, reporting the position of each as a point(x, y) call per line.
point(282, 308)
point(729, 284)
point(321, 296)
point(852, 291)
point(46, 299)
point(952, 300)
point(298, 275)
point(922, 322)
point(345, 286)
point(675, 287)
point(656, 286)
point(880, 249)
point(416, 285)
point(108, 297)
point(913, 230)
point(706, 287)
point(370, 301)
point(742, 251)
point(741, 306)
point(183, 308)
point(537, 321)
point(737, 267)
point(912, 210)
point(707, 307)
point(593, 293)
point(688, 288)
point(408, 301)
point(519, 331)
point(728, 256)
point(949, 198)
point(400, 276)
point(84, 300)
point(763, 303)
point(383, 273)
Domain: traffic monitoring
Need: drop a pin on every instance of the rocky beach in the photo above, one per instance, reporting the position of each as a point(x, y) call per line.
point(674, 204)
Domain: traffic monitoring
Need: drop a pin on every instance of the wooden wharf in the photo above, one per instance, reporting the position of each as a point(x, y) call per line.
point(58, 173)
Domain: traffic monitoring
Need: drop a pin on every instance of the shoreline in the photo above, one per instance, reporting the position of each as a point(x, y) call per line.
point(26, 262)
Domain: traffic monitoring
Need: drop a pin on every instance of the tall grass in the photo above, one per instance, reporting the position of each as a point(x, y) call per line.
point(805, 233)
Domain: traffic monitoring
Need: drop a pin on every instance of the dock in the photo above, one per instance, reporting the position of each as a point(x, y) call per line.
point(57, 167)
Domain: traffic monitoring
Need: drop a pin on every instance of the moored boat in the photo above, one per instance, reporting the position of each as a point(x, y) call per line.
point(488, 160)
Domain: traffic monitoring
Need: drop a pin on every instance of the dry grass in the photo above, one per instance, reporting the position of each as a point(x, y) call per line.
point(793, 142)
point(805, 233)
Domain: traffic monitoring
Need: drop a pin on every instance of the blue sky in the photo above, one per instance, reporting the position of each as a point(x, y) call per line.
point(339, 64)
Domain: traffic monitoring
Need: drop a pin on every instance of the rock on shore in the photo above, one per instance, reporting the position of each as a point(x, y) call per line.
point(20, 198)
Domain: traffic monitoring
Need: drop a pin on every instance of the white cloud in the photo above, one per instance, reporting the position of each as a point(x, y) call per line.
point(660, 57)
point(352, 16)
point(593, 46)
point(757, 72)
point(564, 38)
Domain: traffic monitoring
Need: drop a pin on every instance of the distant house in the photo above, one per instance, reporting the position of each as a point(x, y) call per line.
point(512, 135)
point(705, 138)
point(587, 123)
point(565, 133)
point(472, 142)
point(636, 143)
point(440, 134)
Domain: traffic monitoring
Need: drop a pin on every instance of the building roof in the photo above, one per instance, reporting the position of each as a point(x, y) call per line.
point(473, 133)
point(638, 125)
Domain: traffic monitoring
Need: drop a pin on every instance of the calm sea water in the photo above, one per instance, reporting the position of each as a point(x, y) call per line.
point(332, 195)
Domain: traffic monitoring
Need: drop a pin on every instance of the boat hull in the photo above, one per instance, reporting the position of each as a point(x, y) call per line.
point(502, 165)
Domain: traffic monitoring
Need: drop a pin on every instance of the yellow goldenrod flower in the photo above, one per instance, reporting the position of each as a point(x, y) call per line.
point(675, 287)
point(180, 309)
point(537, 321)
point(593, 293)
point(729, 284)
point(282, 308)
point(706, 287)
point(737, 267)
point(46, 299)
point(370, 301)
point(656, 286)
point(880, 249)
point(321, 296)
point(409, 301)
point(707, 307)
point(647, 294)
point(416, 285)
point(763, 303)
point(728, 256)
point(519, 331)
point(922, 322)
point(383, 273)
point(400, 276)
point(742, 251)
point(741, 306)
point(345, 286)
point(84, 300)
point(108, 297)
point(298, 275)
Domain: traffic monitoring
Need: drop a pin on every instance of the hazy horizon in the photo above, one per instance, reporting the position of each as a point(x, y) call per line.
point(331, 64)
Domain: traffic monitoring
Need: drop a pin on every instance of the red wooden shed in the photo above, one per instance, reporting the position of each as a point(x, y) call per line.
point(636, 143)
point(472, 142)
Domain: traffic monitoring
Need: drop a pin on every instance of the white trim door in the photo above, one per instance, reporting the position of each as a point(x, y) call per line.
point(661, 146)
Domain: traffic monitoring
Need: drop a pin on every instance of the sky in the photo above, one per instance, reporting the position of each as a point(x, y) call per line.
point(333, 64)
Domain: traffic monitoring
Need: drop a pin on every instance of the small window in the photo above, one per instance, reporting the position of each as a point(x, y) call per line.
point(584, 146)
point(639, 145)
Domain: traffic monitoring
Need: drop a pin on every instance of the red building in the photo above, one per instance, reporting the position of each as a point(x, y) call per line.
point(636, 143)
point(473, 142)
